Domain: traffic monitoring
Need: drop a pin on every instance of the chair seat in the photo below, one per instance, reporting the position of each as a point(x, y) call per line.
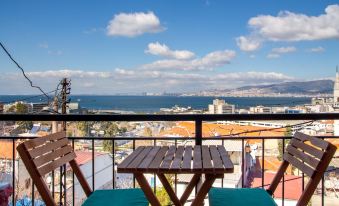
point(123, 197)
point(240, 197)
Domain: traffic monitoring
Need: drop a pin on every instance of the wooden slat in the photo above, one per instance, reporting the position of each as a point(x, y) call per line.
point(130, 158)
point(176, 164)
point(197, 163)
point(302, 156)
point(166, 163)
point(206, 158)
point(42, 140)
point(307, 148)
point(41, 160)
point(298, 164)
point(137, 161)
point(315, 141)
point(55, 164)
point(149, 158)
point(155, 164)
point(186, 163)
point(217, 161)
point(225, 157)
point(48, 147)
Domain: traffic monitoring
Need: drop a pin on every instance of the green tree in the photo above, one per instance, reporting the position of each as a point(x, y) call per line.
point(19, 108)
point(111, 129)
point(23, 126)
point(287, 133)
point(161, 193)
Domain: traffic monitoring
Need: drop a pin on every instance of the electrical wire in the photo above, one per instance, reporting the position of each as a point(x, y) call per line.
point(23, 72)
point(31, 97)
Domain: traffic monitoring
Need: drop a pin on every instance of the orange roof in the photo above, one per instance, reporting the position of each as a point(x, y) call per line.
point(272, 164)
point(6, 149)
point(293, 187)
point(210, 129)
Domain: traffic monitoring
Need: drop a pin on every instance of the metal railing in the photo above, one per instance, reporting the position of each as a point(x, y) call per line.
point(199, 119)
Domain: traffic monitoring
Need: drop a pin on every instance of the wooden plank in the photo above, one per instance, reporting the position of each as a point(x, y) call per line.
point(197, 163)
point(186, 163)
point(41, 160)
point(81, 178)
point(155, 164)
point(206, 158)
point(217, 161)
point(56, 163)
point(42, 140)
point(129, 159)
point(298, 164)
point(307, 148)
point(166, 163)
point(138, 160)
point(48, 147)
point(225, 158)
point(149, 158)
point(176, 164)
point(315, 141)
point(39, 182)
point(303, 156)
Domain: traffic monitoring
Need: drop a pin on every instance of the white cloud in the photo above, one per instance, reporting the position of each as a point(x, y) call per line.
point(283, 50)
point(43, 45)
point(316, 49)
point(209, 62)
point(289, 26)
point(252, 75)
point(163, 50)
point(69, 74)
point(273, 56)
point(134, 24)
point(248, 43)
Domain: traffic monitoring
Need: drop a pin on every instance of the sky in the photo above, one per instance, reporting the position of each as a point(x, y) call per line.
point(127, 47)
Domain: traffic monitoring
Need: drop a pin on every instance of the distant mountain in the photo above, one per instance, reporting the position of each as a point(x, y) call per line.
point(286, 89)
point(306, 88)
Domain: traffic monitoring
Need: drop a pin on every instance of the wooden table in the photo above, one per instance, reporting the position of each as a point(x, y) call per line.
point(213, 161)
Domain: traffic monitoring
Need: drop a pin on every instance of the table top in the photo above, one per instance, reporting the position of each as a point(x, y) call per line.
point(211, 159)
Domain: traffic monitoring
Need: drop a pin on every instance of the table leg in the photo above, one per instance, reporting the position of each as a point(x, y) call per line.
point(205, 187)
point(147, 189)
point(195, 179)
point(169, 189)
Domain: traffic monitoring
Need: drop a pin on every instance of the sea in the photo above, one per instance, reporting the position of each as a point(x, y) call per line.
point(151, 104)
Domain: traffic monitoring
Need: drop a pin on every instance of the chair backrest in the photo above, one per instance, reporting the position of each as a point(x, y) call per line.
point(309, 154)
point(43, 155)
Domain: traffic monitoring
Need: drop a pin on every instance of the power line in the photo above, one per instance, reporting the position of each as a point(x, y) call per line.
point(23, 72)
point(31, 97)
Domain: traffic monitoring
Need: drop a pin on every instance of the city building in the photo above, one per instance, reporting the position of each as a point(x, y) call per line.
point(261, 110)
point(336, 90)
point(219, 106)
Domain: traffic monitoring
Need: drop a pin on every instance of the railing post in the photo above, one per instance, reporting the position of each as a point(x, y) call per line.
point(198, 132)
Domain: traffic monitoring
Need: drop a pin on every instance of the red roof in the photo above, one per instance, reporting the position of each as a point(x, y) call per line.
point(85, 156)
point(293, 188)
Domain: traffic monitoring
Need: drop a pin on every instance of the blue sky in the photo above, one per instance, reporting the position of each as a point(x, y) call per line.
point(109, 47)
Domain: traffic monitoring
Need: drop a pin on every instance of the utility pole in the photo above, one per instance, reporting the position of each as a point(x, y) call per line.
point(66, 90)
point(55, 109)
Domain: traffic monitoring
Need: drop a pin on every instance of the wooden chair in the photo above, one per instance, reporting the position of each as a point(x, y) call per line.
point(309, 154)
point(45, 154)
